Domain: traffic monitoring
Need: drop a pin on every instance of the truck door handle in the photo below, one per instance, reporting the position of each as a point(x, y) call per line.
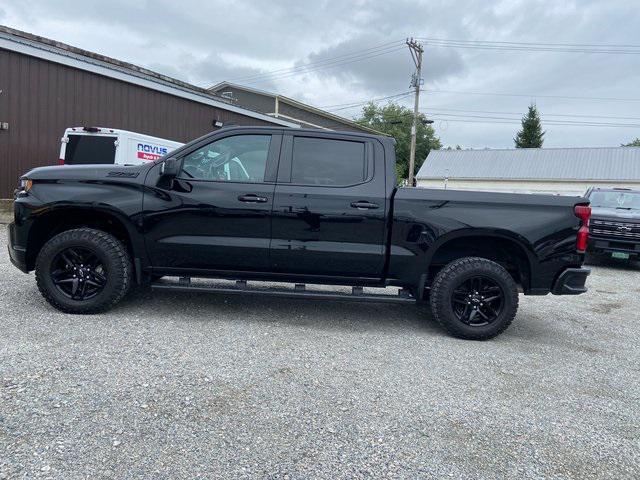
point(252, 198)
point(365, 205)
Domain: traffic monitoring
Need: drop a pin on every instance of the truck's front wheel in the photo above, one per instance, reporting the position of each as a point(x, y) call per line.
point(83, 271)
point(474, 298)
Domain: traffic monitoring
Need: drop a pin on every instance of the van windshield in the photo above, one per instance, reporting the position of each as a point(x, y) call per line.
point(90, 149)
point(616, 199)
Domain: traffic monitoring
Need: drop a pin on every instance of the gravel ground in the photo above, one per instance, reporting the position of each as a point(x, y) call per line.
point(6, 215)
point(197, 385)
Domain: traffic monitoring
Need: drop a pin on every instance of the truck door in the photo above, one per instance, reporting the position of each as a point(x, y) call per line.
point(329, 207)
point(216, 215)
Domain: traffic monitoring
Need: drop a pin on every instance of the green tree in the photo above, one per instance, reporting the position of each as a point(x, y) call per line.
point(395, 120)
point(531, 135)
point(634, 143)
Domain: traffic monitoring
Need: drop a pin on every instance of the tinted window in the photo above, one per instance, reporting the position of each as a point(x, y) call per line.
point(242, 158)
point(89, 149)
point(321, 161)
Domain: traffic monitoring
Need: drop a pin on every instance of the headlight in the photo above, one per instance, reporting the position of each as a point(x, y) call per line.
point(26, 184)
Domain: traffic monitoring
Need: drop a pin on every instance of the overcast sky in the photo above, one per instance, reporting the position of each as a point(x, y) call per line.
point(204, 42)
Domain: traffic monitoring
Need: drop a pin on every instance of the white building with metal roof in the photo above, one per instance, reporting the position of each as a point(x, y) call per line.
point(564, 171)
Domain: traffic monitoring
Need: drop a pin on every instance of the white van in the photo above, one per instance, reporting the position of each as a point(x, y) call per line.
point(99, 145)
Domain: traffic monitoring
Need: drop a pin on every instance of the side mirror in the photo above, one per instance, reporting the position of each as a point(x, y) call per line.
point(170, 168)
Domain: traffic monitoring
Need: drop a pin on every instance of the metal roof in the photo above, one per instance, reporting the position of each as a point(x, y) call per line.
point(296, 103)
point(604, 163)
point(58, 52)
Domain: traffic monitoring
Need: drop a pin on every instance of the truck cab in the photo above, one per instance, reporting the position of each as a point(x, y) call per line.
point(309, 204)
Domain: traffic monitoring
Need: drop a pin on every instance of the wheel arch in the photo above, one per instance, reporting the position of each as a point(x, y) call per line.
point(503, 247)
point(56, 220)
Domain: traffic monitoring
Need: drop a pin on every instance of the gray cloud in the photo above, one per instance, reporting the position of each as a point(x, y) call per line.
point(383, 73)
point(206, 42)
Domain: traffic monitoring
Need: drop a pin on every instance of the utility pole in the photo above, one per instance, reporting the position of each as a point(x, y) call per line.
point(416, 50)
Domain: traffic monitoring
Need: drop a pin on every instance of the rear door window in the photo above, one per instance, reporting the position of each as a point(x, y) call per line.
point(86, 149)
point(323, 161)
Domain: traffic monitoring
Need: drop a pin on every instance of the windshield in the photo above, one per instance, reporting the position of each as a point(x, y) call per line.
point(616, 199)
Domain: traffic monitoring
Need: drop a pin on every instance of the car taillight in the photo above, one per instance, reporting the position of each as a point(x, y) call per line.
point(583, 212)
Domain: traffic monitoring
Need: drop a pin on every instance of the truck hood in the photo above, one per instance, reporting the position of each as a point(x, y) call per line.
point(86, 172)
point(605, 213)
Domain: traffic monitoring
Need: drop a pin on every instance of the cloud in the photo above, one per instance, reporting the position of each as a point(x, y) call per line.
point(244, 40)
point(384, 70)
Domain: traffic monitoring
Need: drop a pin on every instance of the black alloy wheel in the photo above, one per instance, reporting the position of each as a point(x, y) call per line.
point(477, 301)
point(83, 270)
point(474, 298)
point(78, 273)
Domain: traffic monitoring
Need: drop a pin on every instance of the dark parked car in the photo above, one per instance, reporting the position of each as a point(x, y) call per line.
point(297, 206)
point(615, 224)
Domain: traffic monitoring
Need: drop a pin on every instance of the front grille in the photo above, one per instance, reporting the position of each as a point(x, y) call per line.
point(608, 228)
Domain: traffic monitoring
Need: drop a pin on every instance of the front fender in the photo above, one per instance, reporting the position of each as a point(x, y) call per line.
point(50, 206)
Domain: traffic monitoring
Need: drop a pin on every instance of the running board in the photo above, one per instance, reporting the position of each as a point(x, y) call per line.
point(184, 284)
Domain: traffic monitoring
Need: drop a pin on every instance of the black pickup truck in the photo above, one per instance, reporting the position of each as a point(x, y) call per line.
point(615, 226)
point(294, 206)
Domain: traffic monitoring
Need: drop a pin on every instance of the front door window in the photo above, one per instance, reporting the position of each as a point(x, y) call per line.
point(242, 158)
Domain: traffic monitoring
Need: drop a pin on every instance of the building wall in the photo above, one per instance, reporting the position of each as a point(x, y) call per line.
point(289, 112)
point(39, 99)
point(526, 186)
point(314, 118)
point(254, 101)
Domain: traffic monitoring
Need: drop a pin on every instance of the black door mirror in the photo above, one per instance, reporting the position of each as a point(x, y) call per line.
point(170, 168)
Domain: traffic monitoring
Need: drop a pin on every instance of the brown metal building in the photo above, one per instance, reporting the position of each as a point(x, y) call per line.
point(46, 86)
point(285, 108)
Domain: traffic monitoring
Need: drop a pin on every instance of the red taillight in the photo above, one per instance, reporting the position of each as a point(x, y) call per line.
point(583, 239)
point(61, 161)
point(583, 212)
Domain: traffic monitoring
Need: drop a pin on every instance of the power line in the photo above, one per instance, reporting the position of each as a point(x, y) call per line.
point(437, 110)
point(543, 115)
point(606, 125)
point(399, 96)
point(346, 106)
point(530, 49)
point(322, 64)
point(546, 122)
point(603, 45)
point(390, 47)
point(505, 120)
point(322, 67)
point(356, 52)
point(562, 97)
point(515, 46)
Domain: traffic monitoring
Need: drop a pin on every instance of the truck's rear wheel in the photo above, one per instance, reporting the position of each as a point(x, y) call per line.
point(83, 271)
point(474, 298)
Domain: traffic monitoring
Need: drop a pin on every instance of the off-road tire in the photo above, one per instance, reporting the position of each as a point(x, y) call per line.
point(451, 276)
point(111, 252)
